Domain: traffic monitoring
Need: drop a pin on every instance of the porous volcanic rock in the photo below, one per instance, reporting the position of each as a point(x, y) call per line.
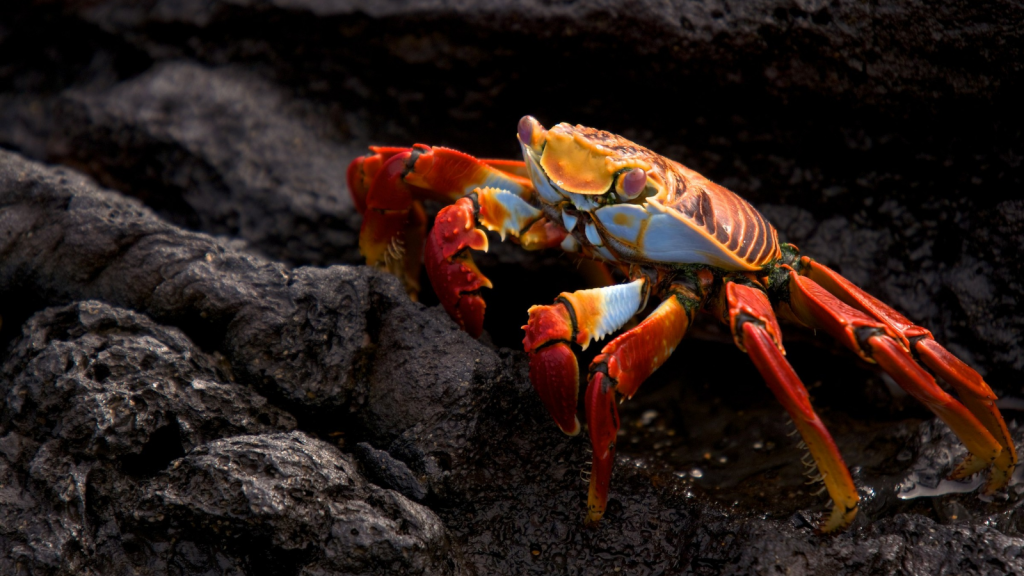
point(98, 403)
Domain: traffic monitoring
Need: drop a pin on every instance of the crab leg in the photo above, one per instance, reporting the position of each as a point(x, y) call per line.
point(575, 318)
point(875, 341)
point(387, 188)
point(756, 332)
point(378, 185)
point(975, 394)
point(619, 370)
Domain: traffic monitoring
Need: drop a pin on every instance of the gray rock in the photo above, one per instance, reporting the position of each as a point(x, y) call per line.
point(218, 151)
point(306, 335)
point(110, 383)
point(786, 47)
point(296, 495)
point(122, 445)
point(385, 470)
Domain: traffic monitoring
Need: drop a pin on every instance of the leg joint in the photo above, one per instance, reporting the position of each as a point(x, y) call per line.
point(790, 256)
point(742, 318)
point(608, 382)
point(913, 345)
point(574, 322)
point(864, 335)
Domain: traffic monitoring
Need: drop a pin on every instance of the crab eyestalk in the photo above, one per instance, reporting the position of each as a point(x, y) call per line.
point(531, 133)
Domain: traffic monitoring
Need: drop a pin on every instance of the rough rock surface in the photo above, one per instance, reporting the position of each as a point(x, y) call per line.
point(198, 142)
point(99, 401)
point(182, 396)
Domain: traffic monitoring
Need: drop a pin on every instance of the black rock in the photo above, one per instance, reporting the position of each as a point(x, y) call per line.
point(110, 383)
point(125, 447)
point(385, 470)
point(219, 151)
point(287, 500)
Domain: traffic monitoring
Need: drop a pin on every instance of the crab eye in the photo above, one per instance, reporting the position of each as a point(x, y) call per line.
point(633, 183)
point(526, 130)
point(531, 133)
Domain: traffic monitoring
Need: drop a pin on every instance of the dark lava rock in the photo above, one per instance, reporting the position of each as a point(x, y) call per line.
point(122, 446)
point(384, 469)
point(165, 342)
point(218, 150)
point(110, 383)
point(302, 500)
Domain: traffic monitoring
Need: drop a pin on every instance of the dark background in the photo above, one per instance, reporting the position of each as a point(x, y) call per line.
point(882, 138)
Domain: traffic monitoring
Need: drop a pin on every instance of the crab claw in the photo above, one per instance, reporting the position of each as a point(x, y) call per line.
point(455, 277)
point(553, 368)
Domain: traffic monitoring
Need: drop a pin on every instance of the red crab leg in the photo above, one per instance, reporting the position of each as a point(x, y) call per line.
point(455, 277)
point(756, 332)
point(576, 317)
point(619, 370)
point(969, 385)
point(454, 167)
point(388, 185)
point(387, 203)
point(875, 341)
point(364, 169)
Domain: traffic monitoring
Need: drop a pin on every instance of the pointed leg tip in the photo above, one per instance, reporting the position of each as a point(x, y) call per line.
point(998, 478)
point(839, 520)
point(970, 466)
point(594, 516)
point(572, 429)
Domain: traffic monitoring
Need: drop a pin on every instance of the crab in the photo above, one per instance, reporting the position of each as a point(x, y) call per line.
point(676, 238)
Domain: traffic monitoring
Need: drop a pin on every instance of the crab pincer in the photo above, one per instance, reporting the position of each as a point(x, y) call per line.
point(455, 277)
point(554, 371)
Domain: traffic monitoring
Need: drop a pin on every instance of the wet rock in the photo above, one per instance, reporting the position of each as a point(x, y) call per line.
point(384, 470)
point(116, 432)
point(110, 383)
point(910, 544)
point(218, 151)
point(299, 497)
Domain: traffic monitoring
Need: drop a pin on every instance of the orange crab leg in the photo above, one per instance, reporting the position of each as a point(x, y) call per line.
point(387, 188)
point(969, 385)
point(554, 371)
point(575, 318)
point(875, 341)
point(387, 203)
point(756, 332)
point(364, 169)
point(619, 370)
point(452, 173)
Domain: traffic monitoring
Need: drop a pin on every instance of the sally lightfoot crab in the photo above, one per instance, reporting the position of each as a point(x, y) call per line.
point(675, 237)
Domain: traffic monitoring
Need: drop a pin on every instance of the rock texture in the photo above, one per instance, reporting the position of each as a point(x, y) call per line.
point(191, 388)
point(125, 448)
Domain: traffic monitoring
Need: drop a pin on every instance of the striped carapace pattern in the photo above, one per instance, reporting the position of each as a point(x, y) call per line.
point(718, 212)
